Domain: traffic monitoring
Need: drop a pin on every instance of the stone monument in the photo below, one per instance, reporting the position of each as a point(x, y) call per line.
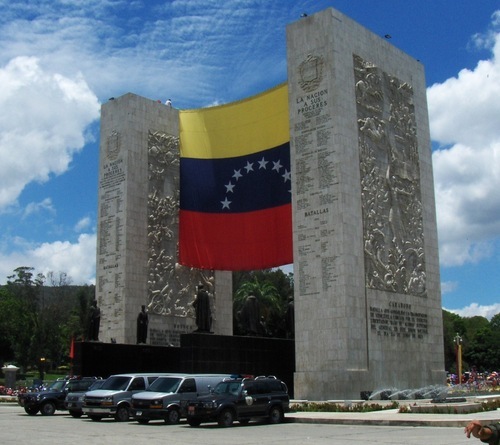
point(367, 304)
point(137, 229)
point(367, 288)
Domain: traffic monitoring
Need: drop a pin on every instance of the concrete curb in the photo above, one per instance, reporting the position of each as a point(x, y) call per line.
point(393, 418)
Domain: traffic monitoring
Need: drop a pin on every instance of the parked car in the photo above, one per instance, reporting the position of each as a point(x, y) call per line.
point(22, 396)
point(167, 396)
point(242, 400)
point(74, 400)
point(114, 398)
point(51, 399)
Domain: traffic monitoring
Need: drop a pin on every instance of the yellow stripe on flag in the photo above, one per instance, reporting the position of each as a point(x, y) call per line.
point(236, 129)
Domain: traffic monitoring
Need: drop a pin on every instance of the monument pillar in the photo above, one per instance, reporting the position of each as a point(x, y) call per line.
point(137, 231)
point(367, 288)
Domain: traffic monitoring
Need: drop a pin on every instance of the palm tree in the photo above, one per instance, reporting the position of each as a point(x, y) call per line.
point(267, 296)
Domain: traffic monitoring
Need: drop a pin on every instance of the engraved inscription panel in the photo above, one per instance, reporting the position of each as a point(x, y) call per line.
point(315, 179)
point(399, 320)
point(110, 255)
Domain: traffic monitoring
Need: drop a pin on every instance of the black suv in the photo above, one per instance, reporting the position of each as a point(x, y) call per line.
point(241, 399)
point(52, 398)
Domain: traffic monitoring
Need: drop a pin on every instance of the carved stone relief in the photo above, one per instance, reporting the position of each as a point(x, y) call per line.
point(171, 286)
point(311, 73)
point(390, 182)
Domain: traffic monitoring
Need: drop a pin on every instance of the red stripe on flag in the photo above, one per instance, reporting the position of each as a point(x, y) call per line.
point(238, 241)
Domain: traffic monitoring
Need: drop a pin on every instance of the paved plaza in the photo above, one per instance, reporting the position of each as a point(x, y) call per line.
point(18, 427)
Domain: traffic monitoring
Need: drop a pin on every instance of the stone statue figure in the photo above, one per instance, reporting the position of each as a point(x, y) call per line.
point(201, 305)
point(142, 325)
point(94, 322)
point(250, 316)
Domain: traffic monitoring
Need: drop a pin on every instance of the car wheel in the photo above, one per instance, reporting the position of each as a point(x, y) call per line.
point(193, 421)
point(143, 421)
point(48, 409)
point(96, 418)
point(173, 416)
point(276, 415)
point(76, 414)
point(122, 414)
point(225, 418)
point(32, 410)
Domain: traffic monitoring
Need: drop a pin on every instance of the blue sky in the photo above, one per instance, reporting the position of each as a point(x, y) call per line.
point(60, 59)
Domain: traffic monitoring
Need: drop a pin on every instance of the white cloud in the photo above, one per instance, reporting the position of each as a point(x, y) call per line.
point(83, 224)
point(77, 260)
point(43, 117)
point(475, 309)
point(162, 54)
point(464, 117)
point(448, 286)
point(36, 207)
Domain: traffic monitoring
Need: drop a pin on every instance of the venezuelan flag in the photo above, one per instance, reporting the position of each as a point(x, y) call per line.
point(235, 184)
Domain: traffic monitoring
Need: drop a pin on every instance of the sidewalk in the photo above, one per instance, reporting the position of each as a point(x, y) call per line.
point(393, 418)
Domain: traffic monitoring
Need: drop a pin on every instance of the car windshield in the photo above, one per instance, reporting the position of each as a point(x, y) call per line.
point(96, 385)
point(228, 388)
point(57, 385)
point(118, 383)
point(165, 384)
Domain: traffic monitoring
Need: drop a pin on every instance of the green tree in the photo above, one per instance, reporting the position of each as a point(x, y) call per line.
point(272, 289)
point(40, 319)
point(495, 323)
point(481, 351)
point(475, 324)
point(18, 323)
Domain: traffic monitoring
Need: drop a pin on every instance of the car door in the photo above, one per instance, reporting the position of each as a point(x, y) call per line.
point(253, 401)
point(136, 385)
point(187, 391)
point(261, 398)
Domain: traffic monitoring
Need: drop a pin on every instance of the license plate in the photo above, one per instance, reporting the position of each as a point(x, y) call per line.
point(138, 413)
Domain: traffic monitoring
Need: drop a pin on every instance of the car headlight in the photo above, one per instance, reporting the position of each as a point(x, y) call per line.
point(107, 401)
point(81, 398)
point(156, 404)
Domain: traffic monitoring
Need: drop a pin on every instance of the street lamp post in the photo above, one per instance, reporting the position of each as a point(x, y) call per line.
point(458, 343)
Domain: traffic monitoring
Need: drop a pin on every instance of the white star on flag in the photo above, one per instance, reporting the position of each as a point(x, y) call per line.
point(277, 165)
point(249, 167)
point(237, 174)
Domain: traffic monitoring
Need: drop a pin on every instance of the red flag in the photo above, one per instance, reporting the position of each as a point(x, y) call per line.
point(72, 349)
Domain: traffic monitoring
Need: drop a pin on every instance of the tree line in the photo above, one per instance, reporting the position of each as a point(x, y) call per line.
point(39, 315)
point(480, 341)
